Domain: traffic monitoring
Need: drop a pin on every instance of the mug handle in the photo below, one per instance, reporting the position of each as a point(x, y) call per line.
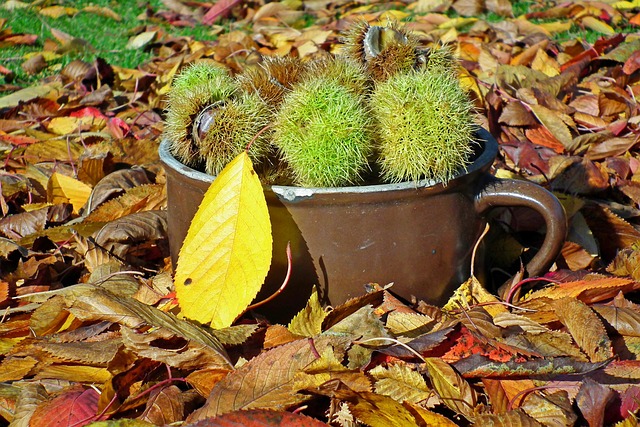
point(508, 192)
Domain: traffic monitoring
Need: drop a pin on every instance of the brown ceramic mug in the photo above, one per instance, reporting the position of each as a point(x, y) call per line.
point(418, 235)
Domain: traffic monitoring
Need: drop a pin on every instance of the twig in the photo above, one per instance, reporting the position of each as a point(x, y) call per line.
point(518, 285)
point(280, 289)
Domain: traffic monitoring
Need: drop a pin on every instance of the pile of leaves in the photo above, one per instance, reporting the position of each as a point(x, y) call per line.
point(89, 330)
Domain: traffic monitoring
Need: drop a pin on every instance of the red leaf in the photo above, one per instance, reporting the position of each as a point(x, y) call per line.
point(89, 112)
point(632, 64)
point(219, 10)
point(259, 418)
point(117, 127)
point(75, 407)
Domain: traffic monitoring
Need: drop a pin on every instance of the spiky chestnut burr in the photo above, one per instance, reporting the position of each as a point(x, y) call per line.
point(343, 70)
point(272, 78)
point(197, 86)
point(226, 128)
point(323, 132)
point(384, 51)
point(425, 126)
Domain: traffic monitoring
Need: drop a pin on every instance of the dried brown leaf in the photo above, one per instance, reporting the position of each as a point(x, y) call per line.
point(234, 335)
point(515, 114)
point(588, 291)
point(114, 184)
point(503, 394)
point(259, 418)
point(165, 406)
point(16, 368)
point(421, 345)
point(140, 227)
point(145, 197)
point(266, 381)
point(585, 327)
point(95, 353)
point(24, 224)
point(551, 410)
point(93, 303)
point(328, 369)
point(478, 366)
point(32, 395)
point(626, 321)
point(546, 344)
point(454, 390)
point(34, 65)
point(376, 410)
point(164, 346)
point(592, 399)
point(514, 418)
point(610, 148)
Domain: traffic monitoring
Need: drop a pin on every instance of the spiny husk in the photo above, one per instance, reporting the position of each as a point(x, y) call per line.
point(343, 70)
point(383, 51)
point(323, 132)
point(196, 87)
point(353, 41)
point(272, 78)
point(425, 126)
point(231, 128)
point(440, 59)
point(395, 58)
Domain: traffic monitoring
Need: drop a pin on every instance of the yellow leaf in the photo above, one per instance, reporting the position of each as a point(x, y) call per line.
point(471, 293)
point(64, 189)
point(454, 390)
point(392, 15)
point(544, 63)
point(56, 12)
point(597, 25)
point(429, 418)
point(51, 90)
point(626, 5)
point(308, 322)
point(555, 26)
point(377, 410)
point(227, 252)
point(400, 383)
point(79, 373)
point(457, 23)
point(63, 125)
point(141, 40)
point(103, 11)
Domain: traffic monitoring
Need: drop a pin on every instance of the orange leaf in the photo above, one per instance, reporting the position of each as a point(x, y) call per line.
point(588, 291)
point(540, 135)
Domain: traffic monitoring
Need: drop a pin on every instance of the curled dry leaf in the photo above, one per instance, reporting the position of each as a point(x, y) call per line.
point(140, 227)
point(114, 184)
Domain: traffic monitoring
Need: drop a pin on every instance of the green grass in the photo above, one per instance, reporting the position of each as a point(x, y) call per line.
point(104, 36)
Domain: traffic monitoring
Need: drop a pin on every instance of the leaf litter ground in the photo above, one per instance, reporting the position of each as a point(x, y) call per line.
point(88, 333)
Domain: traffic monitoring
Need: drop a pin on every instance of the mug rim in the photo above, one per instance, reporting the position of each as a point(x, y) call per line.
point(487, 143)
